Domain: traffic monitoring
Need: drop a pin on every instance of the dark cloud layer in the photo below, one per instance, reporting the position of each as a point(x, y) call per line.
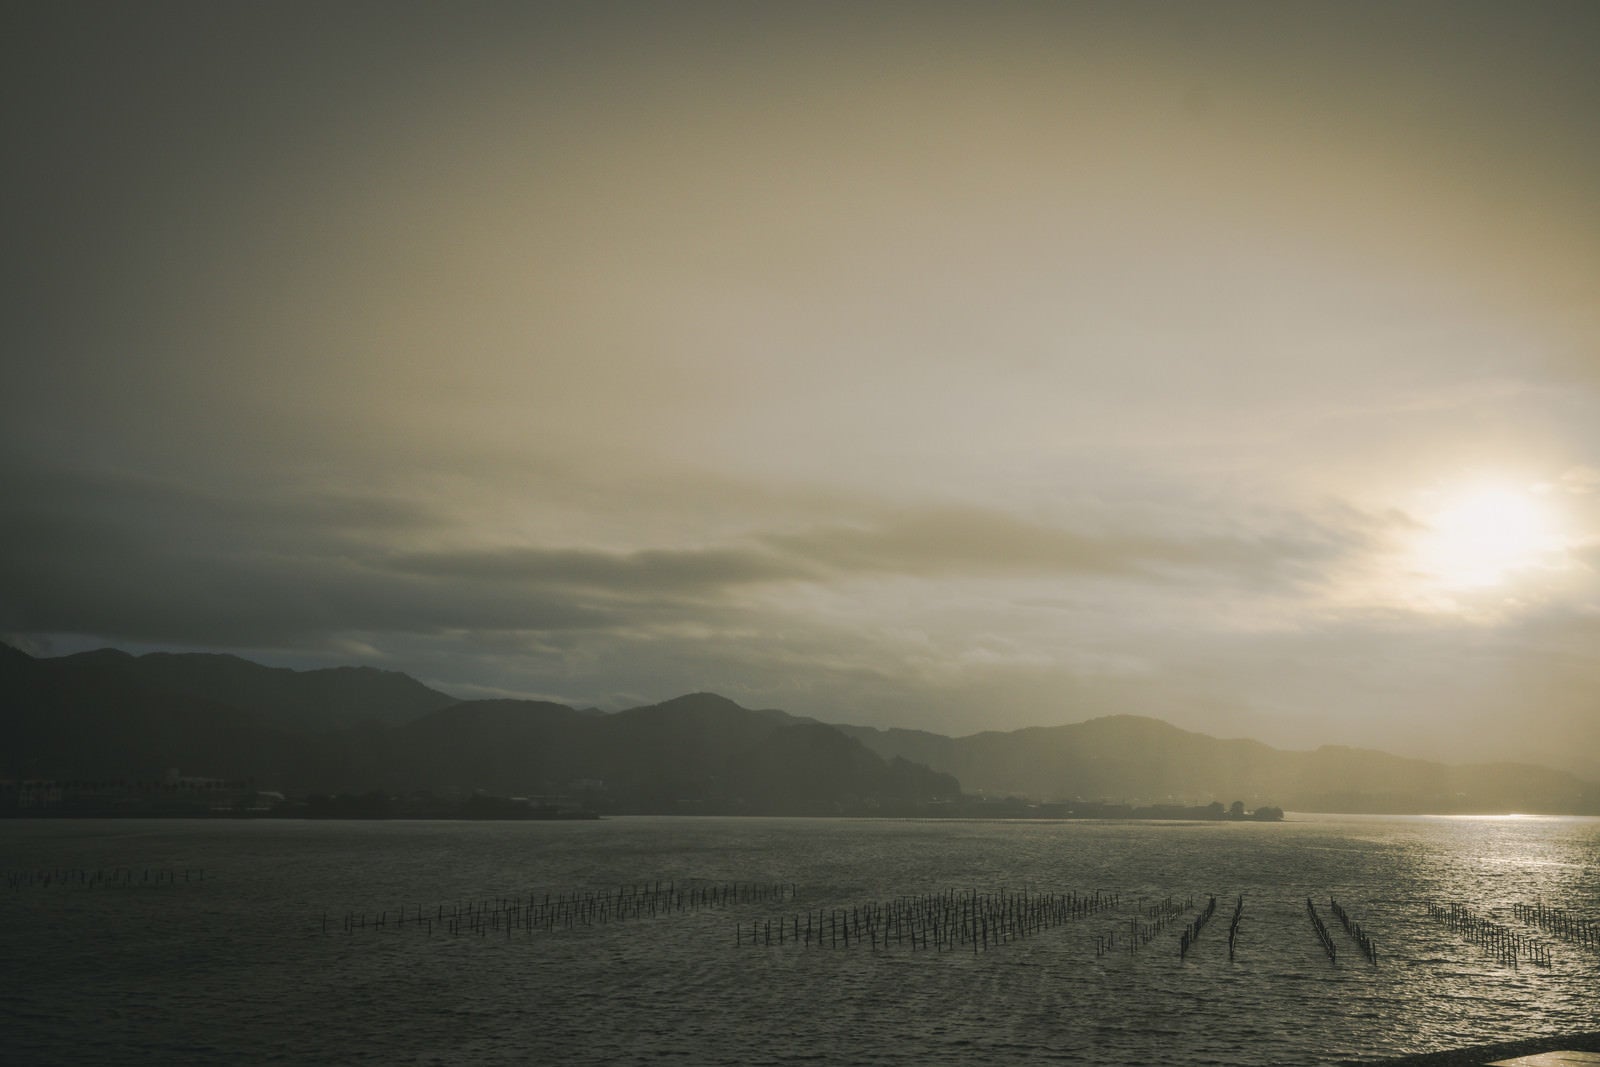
point(134, 559)
point(139, 559)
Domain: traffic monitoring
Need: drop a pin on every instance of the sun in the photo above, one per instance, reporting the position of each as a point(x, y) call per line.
point(1485, 535)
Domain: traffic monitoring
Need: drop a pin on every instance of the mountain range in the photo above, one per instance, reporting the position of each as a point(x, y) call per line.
point(109, 715)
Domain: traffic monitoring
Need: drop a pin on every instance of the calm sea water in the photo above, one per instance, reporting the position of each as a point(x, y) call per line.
point(236, 968)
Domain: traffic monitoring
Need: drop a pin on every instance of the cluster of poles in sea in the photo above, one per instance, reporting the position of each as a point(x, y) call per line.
point(565, 911)
point(948, 920)
point(1559, 922)
point(102, 877)
point(1353, 928)
point(1147, 925)
point(945, 921)
point(1322, 931)
point(1499, 940)
point(1363, 941)
point(1193, 930)
point(1233, 925)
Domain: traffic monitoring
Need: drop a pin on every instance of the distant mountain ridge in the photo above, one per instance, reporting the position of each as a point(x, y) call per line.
point(107, 714)
point(328, 698)
point(1134, 758)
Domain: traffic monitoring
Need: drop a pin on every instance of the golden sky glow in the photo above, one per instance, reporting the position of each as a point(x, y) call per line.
point(957, 366)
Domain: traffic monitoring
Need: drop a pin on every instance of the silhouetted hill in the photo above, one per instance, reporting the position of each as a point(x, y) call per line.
point(800, 769)
point(109, 715)
point(94, 718)
point(499, 746)
point(681, 749)
point(313, 700)
point(1142, 760)
point(696, 753)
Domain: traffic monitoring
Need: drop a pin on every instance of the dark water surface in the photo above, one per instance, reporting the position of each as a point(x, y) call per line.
point(236, 968)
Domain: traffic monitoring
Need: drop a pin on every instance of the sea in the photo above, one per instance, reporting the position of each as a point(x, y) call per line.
point(653, 940)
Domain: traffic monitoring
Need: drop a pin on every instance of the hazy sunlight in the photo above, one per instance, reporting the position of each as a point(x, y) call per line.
point(1484, 535)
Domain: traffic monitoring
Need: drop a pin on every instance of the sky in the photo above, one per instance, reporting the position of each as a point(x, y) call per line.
point(947, 366)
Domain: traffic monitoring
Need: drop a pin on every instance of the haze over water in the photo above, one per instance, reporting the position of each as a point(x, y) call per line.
point(238, 968)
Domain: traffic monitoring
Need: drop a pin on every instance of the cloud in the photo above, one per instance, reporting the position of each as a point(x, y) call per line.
point(135, 557)
point(681, 572)
point(950, 540)
point(1580, 480)
point(130, 557)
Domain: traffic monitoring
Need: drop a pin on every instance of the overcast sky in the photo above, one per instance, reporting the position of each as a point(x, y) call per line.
point(962, 367)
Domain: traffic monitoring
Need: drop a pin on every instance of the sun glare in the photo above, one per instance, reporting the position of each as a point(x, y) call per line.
point(1483, 536)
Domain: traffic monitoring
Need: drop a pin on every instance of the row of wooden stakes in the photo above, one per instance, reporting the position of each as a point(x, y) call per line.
point(1233, 926)
point(564, 911)
point(101, 877)
point(1322, 932)
point(1560, 922)
point(949, 920)
point(1495, 938)
point(1193, 930)
point(1365, 943)
point(1143, 928)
